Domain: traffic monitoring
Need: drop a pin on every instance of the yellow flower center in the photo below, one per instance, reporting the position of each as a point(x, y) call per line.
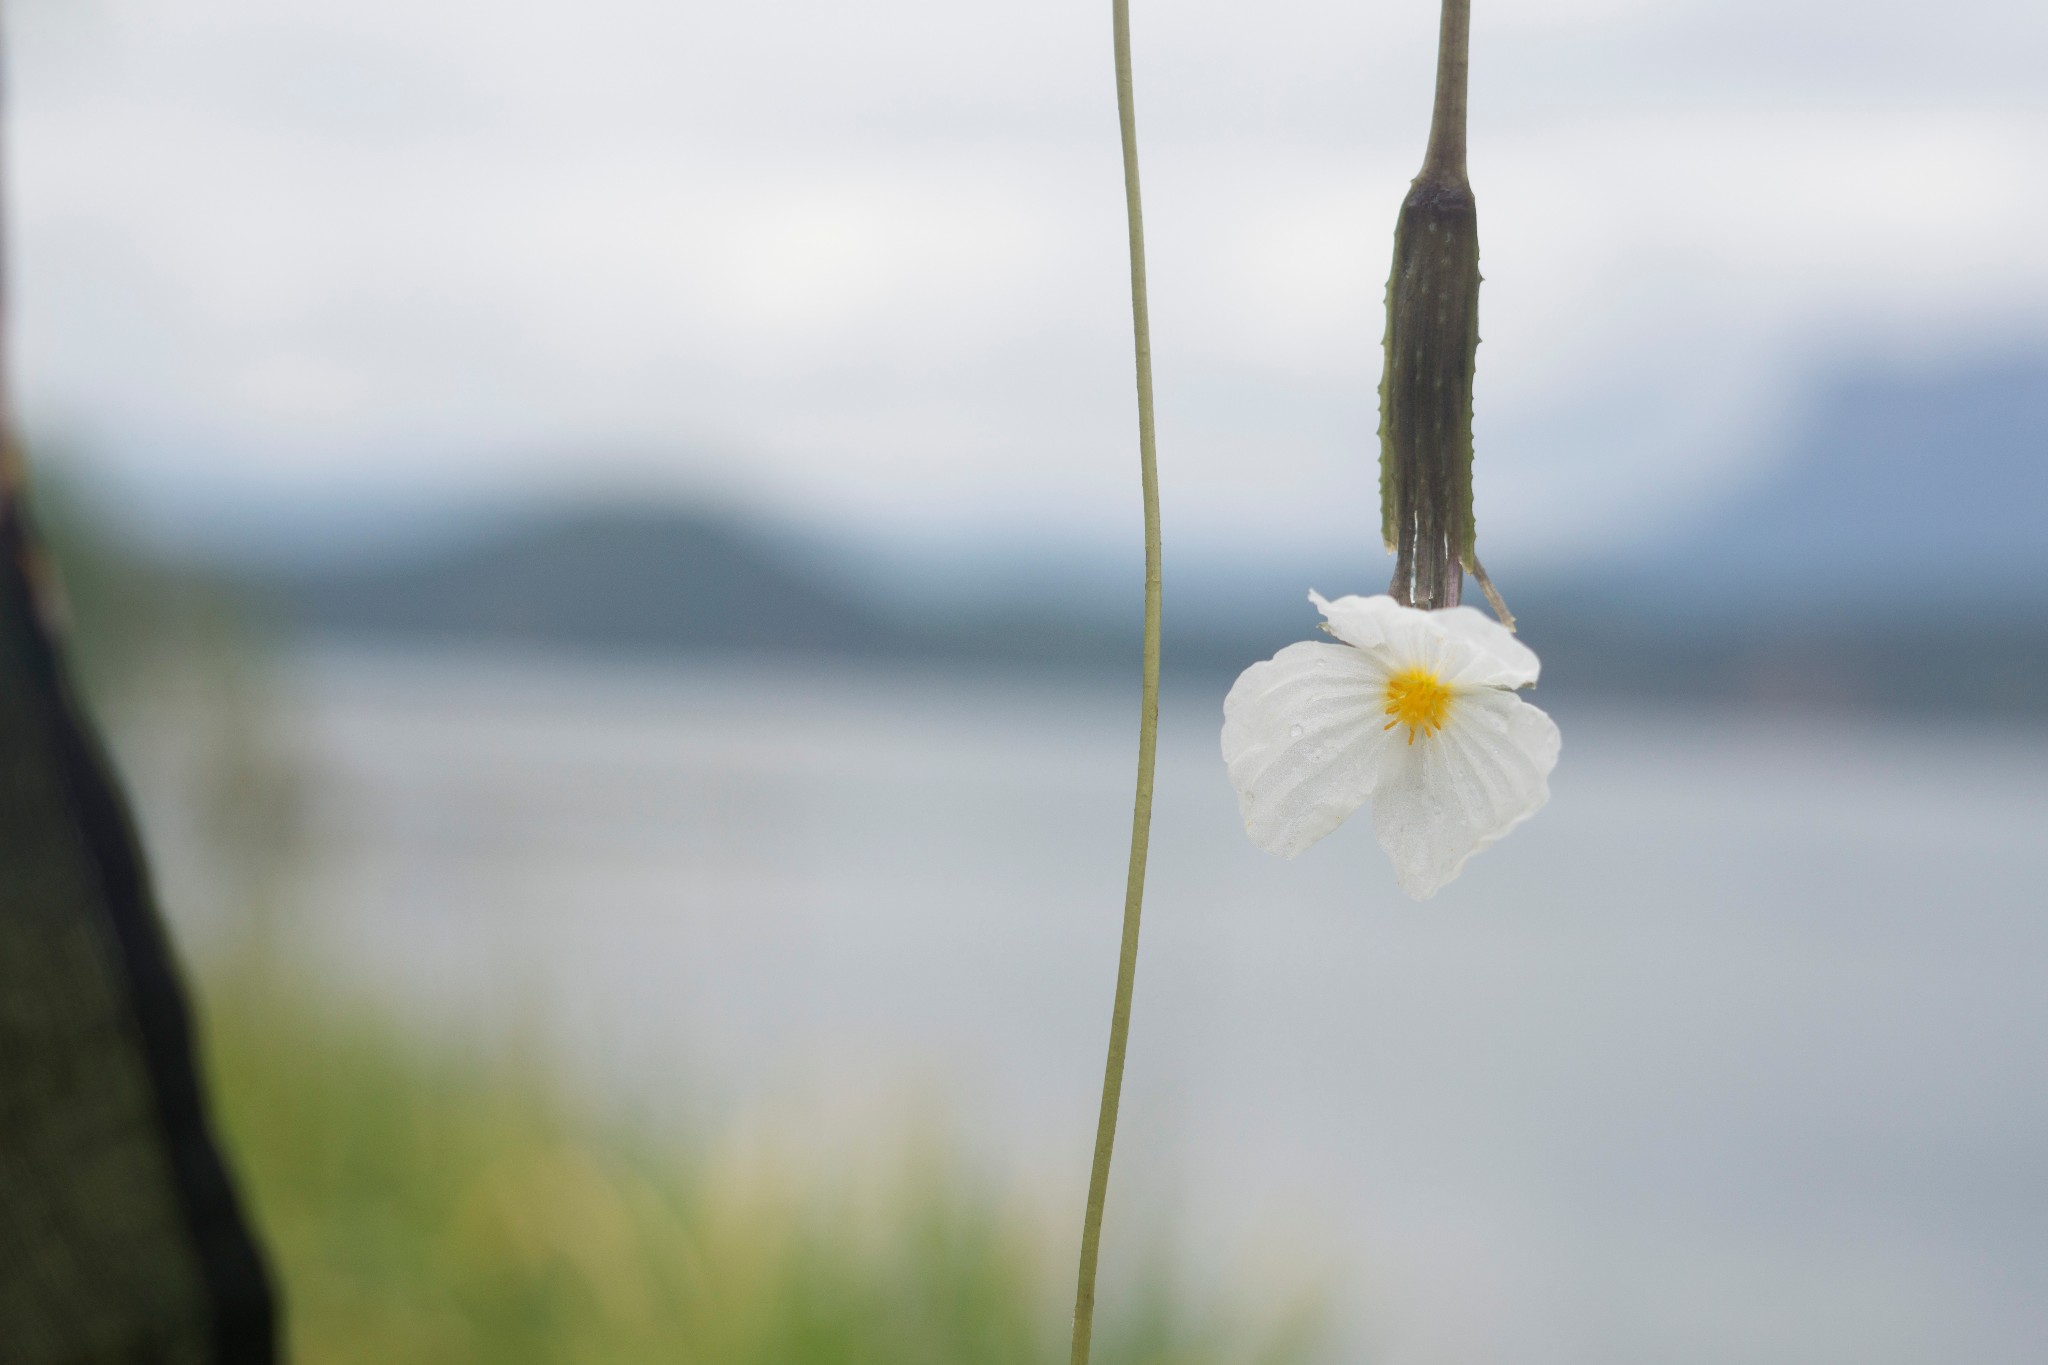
point(1418, 699)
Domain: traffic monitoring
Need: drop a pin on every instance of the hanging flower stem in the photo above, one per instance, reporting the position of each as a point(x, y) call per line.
point(1432, 343)
point(1148, 713)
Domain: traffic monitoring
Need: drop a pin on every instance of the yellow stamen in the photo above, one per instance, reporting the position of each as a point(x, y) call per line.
point(1418, 699)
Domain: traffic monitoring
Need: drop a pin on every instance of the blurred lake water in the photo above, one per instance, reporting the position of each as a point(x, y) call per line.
point(1735, 1053)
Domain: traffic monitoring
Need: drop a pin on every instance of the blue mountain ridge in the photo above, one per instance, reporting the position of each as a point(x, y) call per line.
point(1895, 486)
point(1896, 533)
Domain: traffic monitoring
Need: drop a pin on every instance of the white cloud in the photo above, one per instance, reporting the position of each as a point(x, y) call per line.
point(866, 261)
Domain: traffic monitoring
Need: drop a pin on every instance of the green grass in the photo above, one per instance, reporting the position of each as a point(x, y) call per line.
point(428, 1206)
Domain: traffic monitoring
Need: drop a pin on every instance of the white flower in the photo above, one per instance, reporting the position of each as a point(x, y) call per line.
point(1415, 712)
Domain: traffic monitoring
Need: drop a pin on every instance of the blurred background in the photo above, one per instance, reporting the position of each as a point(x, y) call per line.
point(607, 539)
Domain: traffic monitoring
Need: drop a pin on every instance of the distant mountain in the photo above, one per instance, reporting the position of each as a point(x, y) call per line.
point(663, 580)
point(610, 578)
point(1895, 485)
point(1892, 557)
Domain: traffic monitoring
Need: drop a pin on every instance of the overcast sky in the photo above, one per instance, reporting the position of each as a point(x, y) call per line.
point(863, 263)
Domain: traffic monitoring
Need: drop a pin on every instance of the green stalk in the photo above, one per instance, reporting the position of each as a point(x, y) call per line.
point(1431, 344)
point(1148, 713)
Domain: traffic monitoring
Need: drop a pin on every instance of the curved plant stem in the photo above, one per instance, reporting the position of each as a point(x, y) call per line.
point(1148, 715)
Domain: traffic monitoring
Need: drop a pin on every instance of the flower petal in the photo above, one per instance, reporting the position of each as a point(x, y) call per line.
point(1392, 634)
point(1451, 794)
point(1464, 645)
point(1302, 734)
point(1496, 657)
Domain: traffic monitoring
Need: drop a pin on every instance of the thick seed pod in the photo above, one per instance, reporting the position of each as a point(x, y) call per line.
point(1432, 344)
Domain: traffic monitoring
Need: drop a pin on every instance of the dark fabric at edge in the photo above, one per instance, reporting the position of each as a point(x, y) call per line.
point(243, 1308)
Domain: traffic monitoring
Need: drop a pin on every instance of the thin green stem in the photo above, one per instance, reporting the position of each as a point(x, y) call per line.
point(1148, 714)
point(1444, 160)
